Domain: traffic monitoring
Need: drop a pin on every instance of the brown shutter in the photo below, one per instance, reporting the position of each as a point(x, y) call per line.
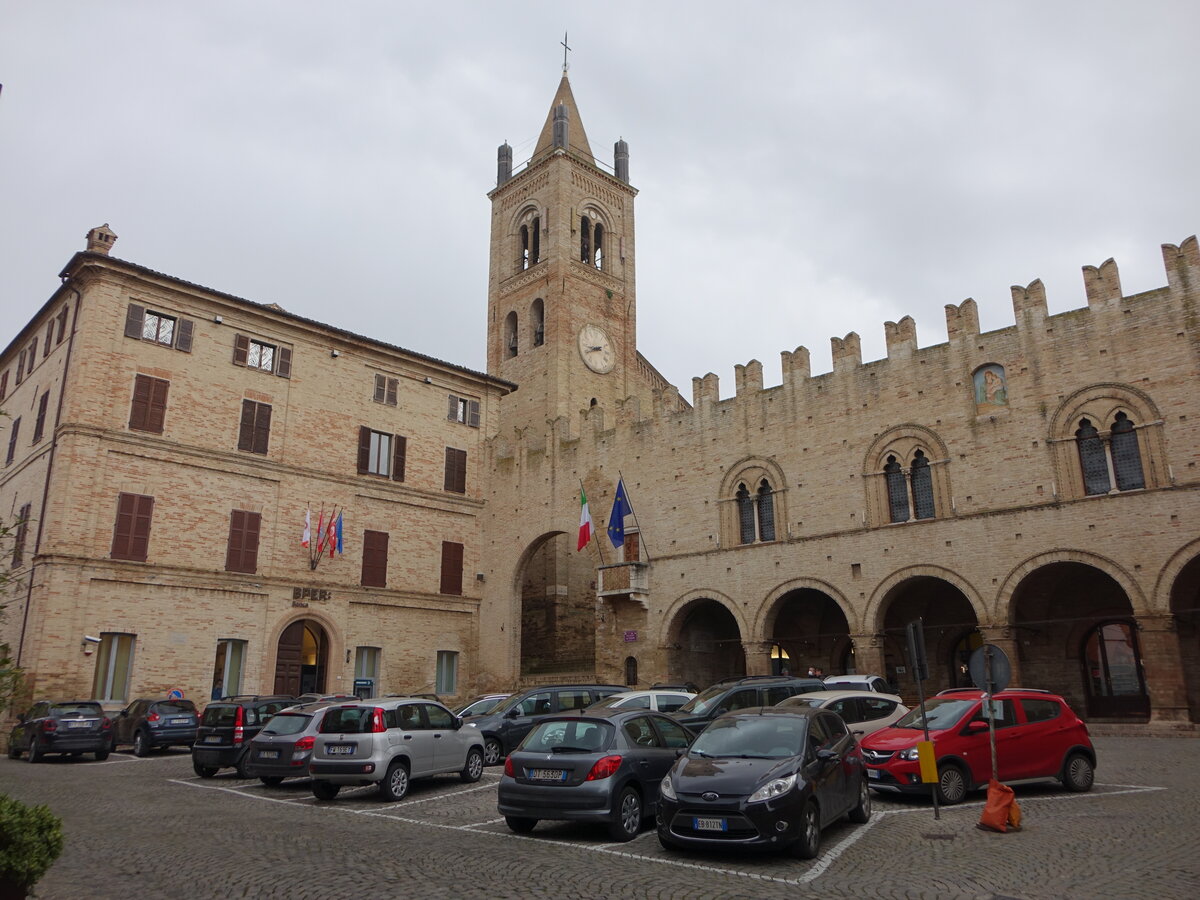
point(283, 362)
point(241, 349)
point(4, 385)
point(241, 554)
point(473, 416)
point(49, 338)
point(364, 449)
point(374, 565)
point(452, 559)
point(399, 451)
point(262, 427)
point(18, 556)
point(456, 470)
point(253, 524)
point(12, 440)
point(20, 367)
point(62, 325)
point(133, 321)
point(139, 409)
point(157, 406)
point(380, 388)
point(131, 533)
point(393, 390)
point(39, 424)
point(246, 427)
point(233, 546)
point(452, 413)
point(183, 335)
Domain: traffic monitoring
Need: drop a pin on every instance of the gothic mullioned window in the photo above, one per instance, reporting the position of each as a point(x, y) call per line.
point(906, 473)
point(592, 241)
point(530, 251)
point(510, 335)
point(916, 485)
point(1107, 438)
point(1116, 459)
point(752, 503)
point(756, 513)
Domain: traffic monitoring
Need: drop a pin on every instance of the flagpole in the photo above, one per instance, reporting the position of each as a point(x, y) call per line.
point(641, 534)
point(599, 549)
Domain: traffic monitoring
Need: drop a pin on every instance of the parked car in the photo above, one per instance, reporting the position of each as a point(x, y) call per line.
point(770, 777)
point(72, 727)
point(1038, 738)
point(505, 726)
point(150, 723)
point(481, 705)
point(322, 698)
point(864, 711)
point(659, 701)
point(388, 743)
point(601, 765)
point(283, 748)
point(688, 687)
point(741, 693)
point(875, 683)
point(226, 730)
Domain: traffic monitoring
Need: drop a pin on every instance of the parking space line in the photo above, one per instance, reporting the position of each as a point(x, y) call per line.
point(470, 790)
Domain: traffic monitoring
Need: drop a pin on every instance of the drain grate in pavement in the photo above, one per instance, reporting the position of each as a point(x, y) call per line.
point(939, 837)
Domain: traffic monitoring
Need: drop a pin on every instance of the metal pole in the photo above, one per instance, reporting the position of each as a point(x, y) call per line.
point(937, 812)
point(991, 713)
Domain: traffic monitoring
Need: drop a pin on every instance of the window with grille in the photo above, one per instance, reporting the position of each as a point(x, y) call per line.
point(755, 513)
point(897, 488)
point(922, 486)
point(1127, 458)
point(1105, 459)
point(153, 326)
point(745, 507)
point(1092, 459)
point(253, 353)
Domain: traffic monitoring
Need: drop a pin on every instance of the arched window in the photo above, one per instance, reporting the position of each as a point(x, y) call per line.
point(922, 486)
point(510, 334)
point(631, 671)
point(523, 258)
point(529, 240)
point(756, 513)
point(585, 239)
point(537, 319)
point(535, 241)
point(897, 490)
point(745, 515)
point(1092, 459)
point(766, 512)
point(911, 489)
point(1115, 459)
point(598, 246)
point(1127, 459)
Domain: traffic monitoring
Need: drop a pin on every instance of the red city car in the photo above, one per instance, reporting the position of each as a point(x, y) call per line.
point(1038, 738)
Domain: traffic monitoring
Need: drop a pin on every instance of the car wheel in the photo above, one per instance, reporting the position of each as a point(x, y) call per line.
point(520, 825)
point(271, 780)
point(242, 763)
point(203, 771)
point(1078, 773)
point(952, 784)
point(492, 751)
point(473, 770)
point(627, 816)
point(395, 783)
point(101, 755)
point(862, 812)
point(35, 751)
point(324, 790)
point(141, 744)
point(809, 844)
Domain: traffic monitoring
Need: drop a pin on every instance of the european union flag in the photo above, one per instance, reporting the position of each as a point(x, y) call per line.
point(616, 518)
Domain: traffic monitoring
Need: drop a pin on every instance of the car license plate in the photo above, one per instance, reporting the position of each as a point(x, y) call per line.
point(547, 774)
point(709, 824)
point(78, 723)
point(268, 754)
point(213, 739)
point(183, 721)
point(340, 750)
point(872, 773)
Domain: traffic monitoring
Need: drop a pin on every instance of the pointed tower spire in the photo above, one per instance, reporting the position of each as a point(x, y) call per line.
point(578, 137)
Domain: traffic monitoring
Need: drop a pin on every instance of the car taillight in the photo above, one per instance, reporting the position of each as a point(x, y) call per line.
point(49, 725)
point(239, 730)
point(604, 768)
point(377, 726)
point(105, 723)
point(153, 717)
point(305, 743)
point(509, 769)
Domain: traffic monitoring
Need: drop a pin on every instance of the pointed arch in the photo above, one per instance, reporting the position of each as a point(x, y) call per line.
point(906, 475)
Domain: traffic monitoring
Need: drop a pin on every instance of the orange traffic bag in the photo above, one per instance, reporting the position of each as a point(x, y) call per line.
point(997, 814)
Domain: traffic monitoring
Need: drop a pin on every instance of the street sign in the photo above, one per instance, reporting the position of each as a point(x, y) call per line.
point(176, 694)
point(1001, 668)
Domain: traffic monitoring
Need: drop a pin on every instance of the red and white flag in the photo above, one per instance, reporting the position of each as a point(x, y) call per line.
point(585, 520)
point(304, 541)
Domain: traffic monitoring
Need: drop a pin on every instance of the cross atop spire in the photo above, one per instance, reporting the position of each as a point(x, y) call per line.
point(565, 49)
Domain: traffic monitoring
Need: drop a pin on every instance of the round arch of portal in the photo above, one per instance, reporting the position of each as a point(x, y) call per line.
point(703, 633)
point(302, 647)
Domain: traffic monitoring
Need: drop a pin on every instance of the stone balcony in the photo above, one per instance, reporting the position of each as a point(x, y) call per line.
point(625, 581)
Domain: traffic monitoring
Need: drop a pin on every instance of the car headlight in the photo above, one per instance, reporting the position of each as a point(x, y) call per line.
point(667, 789)
point(909, 754)
point(776, 787)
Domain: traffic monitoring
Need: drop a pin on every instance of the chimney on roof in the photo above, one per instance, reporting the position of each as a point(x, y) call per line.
point(100, 240)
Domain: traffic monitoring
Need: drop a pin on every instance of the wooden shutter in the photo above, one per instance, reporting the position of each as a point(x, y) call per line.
point(4, 385)
point(183, 335)
point(364, 449)
point(452, 413)
point(374, 565)
point(380, 388)
point(148, 409)
point(473, 415)
point(157, 412)
point(246, 427)
point(39, 423)
point(452, 560)
point(134, 317)
point(399, 450)
point(283, 362)
point(456, 470)
point(62, 325)
point(241, 349)
point(241, 554)
point(262, 427)
point(33, 353)
point(131, 533)
point(20, 367)
point(18, 556)
point(49, 338)
point(393, 390)
point(12, 440)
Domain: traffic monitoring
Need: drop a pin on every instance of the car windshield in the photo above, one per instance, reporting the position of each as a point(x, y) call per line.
point(941, 712)
point(802, 700)
point(752, 737)
point(217, 715)
point(347, 720)
point(481, 707)
point(71, 710)
point(610, 700)
point(570, 736)
point(704, 702)
point(287, 723)
point(176, 708)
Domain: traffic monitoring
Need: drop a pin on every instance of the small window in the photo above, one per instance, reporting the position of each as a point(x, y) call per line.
point(152, 326)
point(20, 368)
point(131, 532)
point(4, 385)
point(158, 328)
point(114, 663)
point(227, 668)
point(456, 470)
point(447, 678)
point(62, 325)
point(241, 552)
point(452, 566)
point(375, 558)
point(258, 354)
point(386, 390)
point(254, 430)
point(12, 440)
point(39, 424)
point(463, 410)
point(22, 528)
point(380, 453)
point(148, 410)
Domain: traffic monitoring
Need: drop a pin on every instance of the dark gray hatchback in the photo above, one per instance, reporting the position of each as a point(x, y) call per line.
point(151, 723)
point(226, 730)
point(284, 746)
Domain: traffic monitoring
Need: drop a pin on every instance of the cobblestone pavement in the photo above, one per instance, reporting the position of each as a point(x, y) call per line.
point(150, 828)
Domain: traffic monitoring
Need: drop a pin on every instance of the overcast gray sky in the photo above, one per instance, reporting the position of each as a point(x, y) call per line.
point(805, 169)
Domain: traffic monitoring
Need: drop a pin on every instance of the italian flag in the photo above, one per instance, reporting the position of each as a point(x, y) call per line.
point(585, 520)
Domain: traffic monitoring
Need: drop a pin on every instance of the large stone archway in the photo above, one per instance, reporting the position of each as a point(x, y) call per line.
point(704, 643)
point(807, 627)
point(1185, 613)
point(557, 591)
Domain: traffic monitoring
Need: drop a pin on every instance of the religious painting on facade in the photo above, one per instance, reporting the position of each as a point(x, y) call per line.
point(991, 389)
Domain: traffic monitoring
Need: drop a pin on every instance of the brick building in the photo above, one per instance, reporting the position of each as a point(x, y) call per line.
point(1034, 487)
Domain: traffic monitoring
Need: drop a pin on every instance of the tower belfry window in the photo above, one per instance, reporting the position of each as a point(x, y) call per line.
point(598, 248)
point(530, 251)
point(585, 239)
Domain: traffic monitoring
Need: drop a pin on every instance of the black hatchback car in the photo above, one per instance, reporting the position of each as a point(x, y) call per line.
point(506, 725)
point(226, 729)
point(71, 727)
point(764, 778)
point(602, 766)
point(150, 723)
point(745, 692)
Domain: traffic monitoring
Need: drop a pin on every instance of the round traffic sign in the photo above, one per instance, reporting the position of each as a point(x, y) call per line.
point(1001, 668)
point(176, 694)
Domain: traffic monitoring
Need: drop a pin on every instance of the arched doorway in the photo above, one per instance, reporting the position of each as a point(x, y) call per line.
point(707, 645)
point(1116, 686)
point(558, 609)
point(809, 629)
point(1185, 605)
point(301, 659)
point(947, 615)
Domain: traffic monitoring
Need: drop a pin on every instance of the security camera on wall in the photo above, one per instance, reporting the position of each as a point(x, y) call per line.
point(91, 639)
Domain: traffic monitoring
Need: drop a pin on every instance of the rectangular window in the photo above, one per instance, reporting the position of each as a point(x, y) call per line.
point(20, 368)
point(22, 524)
point(255, 354)
point(4, 385)
point(386, 390)
point(32, 355)
point(62, 325)
point(39, 424)
point(447, 672)
point(254, 432)
point(380, 453)
point(148, 410)
point(12, 441)
point(131, 533)
point(49, 338)
point(158, 328)
point(366, 672)
point(463, 410)
point(227, 670)
point(114, 662)
point(456, 470)
point(374, 564)
point(452, 565)
point(241, 553)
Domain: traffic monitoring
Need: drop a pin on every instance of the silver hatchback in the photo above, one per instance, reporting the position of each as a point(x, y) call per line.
point(388, 742)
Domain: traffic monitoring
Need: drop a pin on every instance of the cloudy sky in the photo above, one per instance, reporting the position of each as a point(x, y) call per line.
point(805, 169)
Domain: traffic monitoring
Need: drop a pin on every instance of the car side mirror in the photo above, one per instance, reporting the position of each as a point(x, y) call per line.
point(458, 722)
point(721, 711)
point(123, 713)
point(827, 755)
point(514, 712)
point(976, 726)
point(679, 751)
